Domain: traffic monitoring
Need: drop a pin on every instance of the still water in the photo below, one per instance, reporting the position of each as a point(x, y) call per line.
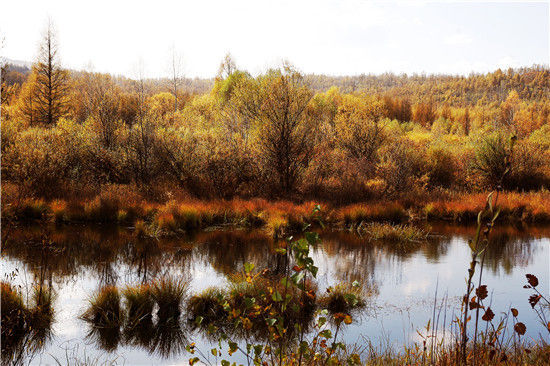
point(402, 280)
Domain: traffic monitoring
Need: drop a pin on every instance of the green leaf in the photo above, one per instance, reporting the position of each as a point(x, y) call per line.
point(312, 237)
point(326, 333)
point(249, 302)
point(355, 284)
point(277, 296)
point(281, 251)
point(271, 321)
point(199, 320)
point(314, 270)
point(225, 363)
point(248, 267)
point(214, 352)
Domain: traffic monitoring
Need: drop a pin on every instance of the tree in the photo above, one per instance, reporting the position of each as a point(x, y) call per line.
point(101, 100)
point(277, 101)
point(51, 84)
point(176, 75)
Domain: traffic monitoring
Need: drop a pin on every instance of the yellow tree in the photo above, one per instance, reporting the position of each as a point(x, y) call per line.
point(277, 102)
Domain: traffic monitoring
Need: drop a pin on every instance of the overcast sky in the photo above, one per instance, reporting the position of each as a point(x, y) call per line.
point(332, 37)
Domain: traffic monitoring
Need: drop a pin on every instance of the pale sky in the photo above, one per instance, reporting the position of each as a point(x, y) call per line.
point(339, 37)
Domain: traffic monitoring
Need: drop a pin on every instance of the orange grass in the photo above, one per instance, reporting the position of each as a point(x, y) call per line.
point(277, 217)
point(533, 207)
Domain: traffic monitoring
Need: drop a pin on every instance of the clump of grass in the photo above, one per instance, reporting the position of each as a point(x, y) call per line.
point(168, 294)
point(42, 313)
point(377, 212)
point(105, 308)
point(101, 209)
point(187, 218)
point(31, 209)
point(276, 226)
point(24, 327)
point(343, 298)
point(140, 229)
point(14, 312)
point(394, 233)
point(207, 305)
point(59, 210)
point(139, 303)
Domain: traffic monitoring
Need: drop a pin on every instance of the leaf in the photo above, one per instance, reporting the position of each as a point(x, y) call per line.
point(281, 251)
point(489, 315)
point(232, 347)
point(532, 280)
point(520, 328)
point(482, 292)
point(514, 312)
point(314, 270)
point(193, 361)
point(326, 333)
point(312, 237)
point(271, 321)
point(347, 319)
point(248, 267)
point(355, 284)
point(214, 352)
point(534, 299)
point(277, 296)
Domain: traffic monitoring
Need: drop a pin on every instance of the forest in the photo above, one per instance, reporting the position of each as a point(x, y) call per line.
point(280, 135)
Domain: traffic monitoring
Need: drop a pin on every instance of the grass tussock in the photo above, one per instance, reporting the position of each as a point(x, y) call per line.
point(24, 326)
point(344, 298)
point(378, 212)
point(393, 233)
point(168, 294)
point(139, 302)
point(105, 308)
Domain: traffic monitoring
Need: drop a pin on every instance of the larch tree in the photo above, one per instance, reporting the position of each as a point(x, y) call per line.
point(51, 82)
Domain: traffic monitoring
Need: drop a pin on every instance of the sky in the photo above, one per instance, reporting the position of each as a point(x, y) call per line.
point(337, 37)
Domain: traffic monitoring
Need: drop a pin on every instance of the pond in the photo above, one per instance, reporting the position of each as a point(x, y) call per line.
point(403, 281)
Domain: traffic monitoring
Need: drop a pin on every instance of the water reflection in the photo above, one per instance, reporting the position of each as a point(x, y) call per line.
point(55, 256)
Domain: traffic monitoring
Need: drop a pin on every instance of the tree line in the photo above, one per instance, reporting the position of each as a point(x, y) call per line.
point(273, 135)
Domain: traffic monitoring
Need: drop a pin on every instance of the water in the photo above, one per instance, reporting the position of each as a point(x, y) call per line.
point(403, 280)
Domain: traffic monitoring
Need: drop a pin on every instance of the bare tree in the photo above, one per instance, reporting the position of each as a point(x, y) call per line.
point(176, 75)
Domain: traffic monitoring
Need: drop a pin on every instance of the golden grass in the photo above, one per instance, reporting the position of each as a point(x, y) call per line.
point(279, 218)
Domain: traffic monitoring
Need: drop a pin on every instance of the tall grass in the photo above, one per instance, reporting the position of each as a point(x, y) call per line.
point(168, 294)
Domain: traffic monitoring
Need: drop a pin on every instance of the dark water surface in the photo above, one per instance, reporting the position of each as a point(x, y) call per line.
point(402, 279)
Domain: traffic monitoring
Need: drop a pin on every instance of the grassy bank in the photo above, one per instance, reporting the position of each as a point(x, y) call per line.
point(118, 206)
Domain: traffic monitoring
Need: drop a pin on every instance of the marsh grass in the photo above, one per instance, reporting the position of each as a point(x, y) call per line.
point(105, 309)
point(25, 328)
point(344, 298)
point(139, 303)
point(168, 294)
point(208, 305)
point(393, 233)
